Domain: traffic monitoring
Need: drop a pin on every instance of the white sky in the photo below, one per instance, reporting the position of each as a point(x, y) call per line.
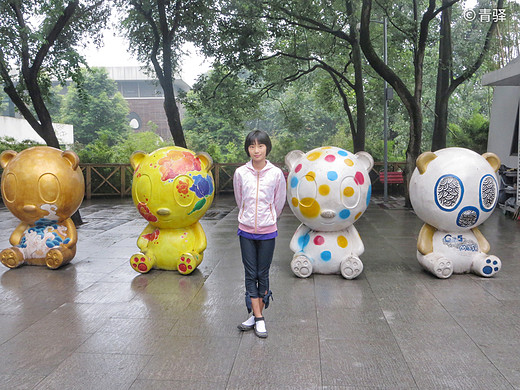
point(114, 53)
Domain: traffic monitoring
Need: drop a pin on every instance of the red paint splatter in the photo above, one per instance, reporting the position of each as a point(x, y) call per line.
point(182, 267)
point(145, 212)
point(319, 240)
point(151, 236)
point(142, 267)
point(330, 158)
point(298, 168)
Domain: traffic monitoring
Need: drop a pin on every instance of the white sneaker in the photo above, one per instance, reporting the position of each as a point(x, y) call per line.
point(247, 324)
point(260, 329)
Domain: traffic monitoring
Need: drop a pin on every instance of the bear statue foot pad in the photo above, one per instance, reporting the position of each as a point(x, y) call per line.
point(301, 266)
point(487, 266)
point(443, 269)
point(12, 257)
point(141, 263)
point(54, 259)
point(187, 264)
point(351, 268)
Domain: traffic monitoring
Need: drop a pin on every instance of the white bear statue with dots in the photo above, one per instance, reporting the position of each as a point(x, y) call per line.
point(453, 191)
point(328, 190)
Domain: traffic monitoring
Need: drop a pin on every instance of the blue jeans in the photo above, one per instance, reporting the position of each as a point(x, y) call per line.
point(257, 256)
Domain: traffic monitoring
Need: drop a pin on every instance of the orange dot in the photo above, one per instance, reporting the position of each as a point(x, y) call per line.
point(324, 189)
point(313, 156)
point(349, 162)
point(342, 242)
point(358, 215)
point(348, 191)
point(294, 202)
point(309, 208)
point(310, 176)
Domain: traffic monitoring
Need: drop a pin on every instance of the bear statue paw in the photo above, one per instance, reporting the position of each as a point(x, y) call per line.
point(486, 265)
point(351, 267)
point(443, 268)
point(54, 258)
point(301, 266)
point(141, 263)
point(187, 264)
point(11, 257)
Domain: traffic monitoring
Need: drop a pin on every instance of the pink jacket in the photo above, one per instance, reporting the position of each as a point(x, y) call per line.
point(260, 196)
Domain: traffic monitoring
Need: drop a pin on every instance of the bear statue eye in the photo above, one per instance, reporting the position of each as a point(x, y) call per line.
point(350, 192)
point(182, 193)
point(49, 187)
point(307, 190)
point(143, 189)
point(9, 187)
point(488, 192)
point(449, 192)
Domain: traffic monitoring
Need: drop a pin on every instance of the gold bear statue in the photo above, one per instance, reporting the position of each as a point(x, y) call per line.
point(43, 187)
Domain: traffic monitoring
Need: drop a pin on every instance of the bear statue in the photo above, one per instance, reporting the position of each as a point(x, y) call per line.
point(42, 186)
point(453, 191)
point(328, 190)
point(172, 188)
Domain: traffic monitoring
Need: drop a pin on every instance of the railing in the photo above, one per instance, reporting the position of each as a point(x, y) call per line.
point(116, 179)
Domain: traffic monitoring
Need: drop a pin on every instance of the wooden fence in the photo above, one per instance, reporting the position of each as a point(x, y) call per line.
point(116, 179)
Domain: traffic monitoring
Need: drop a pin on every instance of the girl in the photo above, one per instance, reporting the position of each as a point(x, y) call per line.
point(260, 195)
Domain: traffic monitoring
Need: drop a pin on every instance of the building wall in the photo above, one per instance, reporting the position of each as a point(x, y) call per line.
point(21, 130)
point(502, 123)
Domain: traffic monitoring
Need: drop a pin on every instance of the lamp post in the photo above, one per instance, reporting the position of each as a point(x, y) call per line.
point(385, 114)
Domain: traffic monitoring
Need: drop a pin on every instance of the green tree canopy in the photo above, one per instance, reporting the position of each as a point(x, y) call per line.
point(95, 107)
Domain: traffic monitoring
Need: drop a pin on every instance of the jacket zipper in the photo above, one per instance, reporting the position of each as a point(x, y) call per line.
point(257, 189)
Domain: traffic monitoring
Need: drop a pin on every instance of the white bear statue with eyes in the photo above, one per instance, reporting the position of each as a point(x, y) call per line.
point(328, 190)
point(453, 191)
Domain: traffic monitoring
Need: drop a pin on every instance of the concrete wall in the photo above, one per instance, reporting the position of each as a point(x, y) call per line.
point(502, 123)
point(20, 130)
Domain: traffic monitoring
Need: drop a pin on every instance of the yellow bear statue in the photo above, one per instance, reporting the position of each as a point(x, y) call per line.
point(172, 188)
point(43, 187)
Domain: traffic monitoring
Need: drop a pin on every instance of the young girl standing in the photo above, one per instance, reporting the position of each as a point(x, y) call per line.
point(260, 195)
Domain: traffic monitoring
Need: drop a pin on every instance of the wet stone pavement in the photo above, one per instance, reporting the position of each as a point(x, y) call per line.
point(97, 324)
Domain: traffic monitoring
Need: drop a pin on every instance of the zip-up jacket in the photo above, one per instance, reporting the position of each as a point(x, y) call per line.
point(260, 196)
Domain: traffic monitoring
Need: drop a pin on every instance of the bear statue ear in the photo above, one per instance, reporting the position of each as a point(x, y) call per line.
point(136, 158)
point(366, 159)
point(72, 158)
point(493, 160)
point(6, 156)
point(423, 160)
point(292, 157)
point(206, 160)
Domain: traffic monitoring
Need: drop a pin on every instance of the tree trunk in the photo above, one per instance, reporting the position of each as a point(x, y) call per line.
point(359, 139)
point(444, 75)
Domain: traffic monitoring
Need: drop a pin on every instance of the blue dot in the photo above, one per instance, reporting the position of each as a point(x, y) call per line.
point(487, 270)
point(495, 262)
point(332, 175)
point(326, 255)
point(303, 241)
point(369, 194)
point(488, 261)
point(344, 214)
point(343, 153)
point(294, 182)
point(496, 269)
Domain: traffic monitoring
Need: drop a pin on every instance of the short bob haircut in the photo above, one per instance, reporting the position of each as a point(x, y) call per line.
point(258, 136)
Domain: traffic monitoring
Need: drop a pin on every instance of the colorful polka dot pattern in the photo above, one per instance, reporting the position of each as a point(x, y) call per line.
point(310, 207)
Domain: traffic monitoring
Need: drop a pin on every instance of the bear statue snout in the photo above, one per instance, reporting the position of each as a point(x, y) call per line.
point(163, 211)
point(328, 214)
point(29, 208)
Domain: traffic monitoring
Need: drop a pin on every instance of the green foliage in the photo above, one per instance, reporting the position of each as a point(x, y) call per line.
point(471, 133)
point(9, 143)
point(95, 109)
point(101, 150)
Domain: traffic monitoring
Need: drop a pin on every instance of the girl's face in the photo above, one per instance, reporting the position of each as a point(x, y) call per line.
point(257, 151)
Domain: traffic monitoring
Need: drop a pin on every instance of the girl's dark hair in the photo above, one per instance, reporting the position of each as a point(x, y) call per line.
point(257, 136)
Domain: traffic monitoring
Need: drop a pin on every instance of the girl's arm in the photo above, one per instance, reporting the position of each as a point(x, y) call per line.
point(280, 193)
point(237, 188)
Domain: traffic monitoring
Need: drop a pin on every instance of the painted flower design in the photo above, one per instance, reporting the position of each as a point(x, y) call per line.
point(176, 163)
point(202, 186)
point(145, 212)
point(182, 187)
point(152, 236)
